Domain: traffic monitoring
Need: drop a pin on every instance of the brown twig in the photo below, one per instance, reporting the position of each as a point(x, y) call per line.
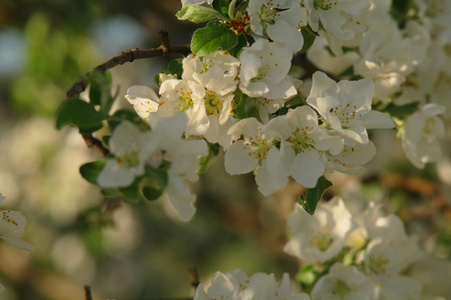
point(194, 277)
point(129, 56)
point(92, 142)
point(88, 295)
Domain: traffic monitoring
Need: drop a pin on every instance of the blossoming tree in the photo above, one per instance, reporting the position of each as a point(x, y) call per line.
point(365, 64)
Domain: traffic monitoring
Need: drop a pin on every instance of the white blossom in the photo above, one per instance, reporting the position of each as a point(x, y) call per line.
point(131, 148)
point(320, 237)
point(351, 158)
point(304, 143)
point(264, 69)
point(255, 150)
point(346, 107)
point(217, 72)
point(282, 20)
point(144, 100)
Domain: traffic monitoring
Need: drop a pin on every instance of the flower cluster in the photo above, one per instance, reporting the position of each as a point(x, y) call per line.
point(380, 250)
point(285, 145)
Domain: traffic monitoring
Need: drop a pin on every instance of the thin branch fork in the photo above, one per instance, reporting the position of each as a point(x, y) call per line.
point(164, 49)
point(129, 56)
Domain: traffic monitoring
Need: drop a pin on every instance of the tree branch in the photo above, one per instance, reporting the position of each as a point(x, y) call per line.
point(88, 293)
point(129, 56)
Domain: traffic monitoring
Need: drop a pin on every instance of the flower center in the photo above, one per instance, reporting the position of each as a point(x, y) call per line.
point(260, 147)
point(377, 264)
point(6, 218)
point(185, 100)
point(300, 141)
point(268, 13)
point(130, 159)
point(345, 113)
point(341, 289)
point(213, 104)
point(324, 4)
point(322, 241)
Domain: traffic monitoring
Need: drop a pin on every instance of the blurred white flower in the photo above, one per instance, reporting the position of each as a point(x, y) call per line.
point(388, 55)
point(183, 156)
point(421, 134)
point(320, 237)
point(389, 252)
point(334, 16)
point(344, 282)
point(236, 285)
point(12, 226)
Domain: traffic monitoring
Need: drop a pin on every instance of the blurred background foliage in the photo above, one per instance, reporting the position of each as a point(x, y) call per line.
point(137, 251)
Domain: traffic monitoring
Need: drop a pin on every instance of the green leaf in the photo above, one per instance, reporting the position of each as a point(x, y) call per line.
point(198, 14)
point(91, 171)
point(79, 113)
point(111, 193)
point(349, 72)
point(402, 111)
point(100, 84)
point(221, 6)
point(309, 37)
point(313, 196)
point(402, 11)
point(131, 193)
point(239, 110)
point(153, 184)
point(242, 42)
point(129, 115)
point(214, 36)
point(175, 67)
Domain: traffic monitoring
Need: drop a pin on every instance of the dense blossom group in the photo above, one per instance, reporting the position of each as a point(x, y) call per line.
point(374, 69)
point(381, 251)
